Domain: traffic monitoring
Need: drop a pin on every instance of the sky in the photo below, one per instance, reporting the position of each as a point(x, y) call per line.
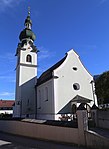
point(59, 25)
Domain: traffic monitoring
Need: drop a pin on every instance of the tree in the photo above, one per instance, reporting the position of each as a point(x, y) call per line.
point(102, 88)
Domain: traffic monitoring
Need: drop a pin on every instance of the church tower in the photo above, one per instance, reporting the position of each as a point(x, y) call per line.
point(26, 73)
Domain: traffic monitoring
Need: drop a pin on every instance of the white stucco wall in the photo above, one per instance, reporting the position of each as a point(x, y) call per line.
point(45, 108)
point(28, 70)
point(24, 53)
point(6, 111)
point(26, 73)
point(64, 91)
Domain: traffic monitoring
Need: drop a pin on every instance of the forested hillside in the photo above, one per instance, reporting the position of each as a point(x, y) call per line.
point(102, 88)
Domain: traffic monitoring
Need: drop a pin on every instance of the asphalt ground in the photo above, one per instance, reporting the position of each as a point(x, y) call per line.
point(8, 141)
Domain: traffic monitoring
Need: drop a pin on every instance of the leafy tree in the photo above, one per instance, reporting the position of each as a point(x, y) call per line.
point(102, 88)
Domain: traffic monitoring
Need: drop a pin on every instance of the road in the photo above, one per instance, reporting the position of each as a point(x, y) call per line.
point(8, 141)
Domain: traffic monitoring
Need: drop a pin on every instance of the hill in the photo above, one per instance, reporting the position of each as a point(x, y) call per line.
point(102, 87)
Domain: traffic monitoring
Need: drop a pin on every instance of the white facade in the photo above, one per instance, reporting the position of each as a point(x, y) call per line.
point(61, 88)
point(45, 100)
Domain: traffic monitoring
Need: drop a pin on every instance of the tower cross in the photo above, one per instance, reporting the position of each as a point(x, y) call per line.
point(28, 10)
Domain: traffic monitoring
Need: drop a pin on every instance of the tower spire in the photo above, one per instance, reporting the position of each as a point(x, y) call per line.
point(28, 22)
point(29, 11)
point(27, 32)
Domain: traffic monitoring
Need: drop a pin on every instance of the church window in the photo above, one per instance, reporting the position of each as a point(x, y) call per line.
point(76, 86)
point(46, 93)
point(28, 58)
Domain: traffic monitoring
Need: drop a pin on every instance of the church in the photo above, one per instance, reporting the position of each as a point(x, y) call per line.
point(58, 91)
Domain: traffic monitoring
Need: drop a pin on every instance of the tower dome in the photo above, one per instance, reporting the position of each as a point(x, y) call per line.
point(27, 33)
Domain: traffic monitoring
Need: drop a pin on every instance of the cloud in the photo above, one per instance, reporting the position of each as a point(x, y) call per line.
point(36, 14)
point(93, 47)
point(88, 47)
point(8, 78)
point(44, 59)
point(8, 4)
point(42, 69)
point(44, 54)
point(6, 94)
point(102, 2)
point(8, 56)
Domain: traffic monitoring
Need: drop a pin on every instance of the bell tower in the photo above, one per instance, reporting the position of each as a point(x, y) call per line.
point(26, 72)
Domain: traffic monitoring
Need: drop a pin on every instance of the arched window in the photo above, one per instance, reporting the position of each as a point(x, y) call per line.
point(46, 93)
point(28, 58)
point(74, 108)
point(39, 100)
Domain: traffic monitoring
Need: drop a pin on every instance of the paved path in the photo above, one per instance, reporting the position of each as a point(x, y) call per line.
point(101, 132)
point(8, 141)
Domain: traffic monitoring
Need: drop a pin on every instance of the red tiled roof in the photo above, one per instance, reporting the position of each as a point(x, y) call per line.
point(6, 103)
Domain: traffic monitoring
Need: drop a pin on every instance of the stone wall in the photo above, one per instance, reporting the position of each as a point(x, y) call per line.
point(103, 118)
point(40, 131)
point(80, 136)
point(96, 141)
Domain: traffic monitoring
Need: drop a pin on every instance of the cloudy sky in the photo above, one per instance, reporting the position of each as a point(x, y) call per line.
point(59, 25)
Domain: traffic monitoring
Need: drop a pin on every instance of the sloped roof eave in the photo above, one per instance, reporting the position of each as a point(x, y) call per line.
point(80, 99)
point(48, 74)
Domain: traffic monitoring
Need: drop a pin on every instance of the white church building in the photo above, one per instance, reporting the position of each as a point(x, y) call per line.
point(58, 91)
